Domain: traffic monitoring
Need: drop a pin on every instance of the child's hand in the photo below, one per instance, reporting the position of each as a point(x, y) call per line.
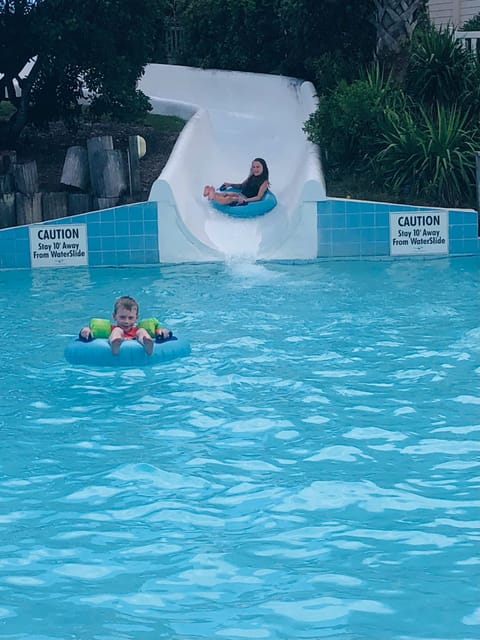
point(86, 334)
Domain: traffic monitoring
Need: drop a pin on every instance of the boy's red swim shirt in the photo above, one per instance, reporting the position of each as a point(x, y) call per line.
point(129, 334)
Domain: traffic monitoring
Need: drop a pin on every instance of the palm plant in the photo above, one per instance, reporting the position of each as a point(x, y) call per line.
point(440, 70)
point(430, 154)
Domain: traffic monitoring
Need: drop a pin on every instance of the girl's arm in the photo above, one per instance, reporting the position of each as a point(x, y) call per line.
point(235, 185)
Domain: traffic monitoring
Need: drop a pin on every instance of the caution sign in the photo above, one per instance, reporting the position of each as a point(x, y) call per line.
point(418, 233)
point(62, 245)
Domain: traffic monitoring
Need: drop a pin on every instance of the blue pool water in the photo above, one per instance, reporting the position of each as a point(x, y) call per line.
point(312, 470)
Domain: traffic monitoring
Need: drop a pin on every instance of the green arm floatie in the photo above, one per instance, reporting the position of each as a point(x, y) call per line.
point(100, 328)
point(151, 325)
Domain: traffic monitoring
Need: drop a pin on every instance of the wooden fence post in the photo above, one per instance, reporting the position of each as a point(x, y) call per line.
point(54, 205)
point(29, 208)
point(107, 168)
point(477, 166)
point(79, 203)
point(8, 216)
point(26, 177)
point(75, 171)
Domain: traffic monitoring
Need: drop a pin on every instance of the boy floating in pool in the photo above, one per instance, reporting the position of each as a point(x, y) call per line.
point(125, 314)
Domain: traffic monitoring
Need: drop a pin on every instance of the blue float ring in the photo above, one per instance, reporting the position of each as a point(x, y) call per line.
point(98, 353)
point(250, 209)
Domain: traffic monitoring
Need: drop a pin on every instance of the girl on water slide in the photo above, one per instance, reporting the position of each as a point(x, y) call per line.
point(252, 189)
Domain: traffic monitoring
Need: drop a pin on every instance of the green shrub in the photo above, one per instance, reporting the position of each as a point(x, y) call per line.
point(430, 154)
point(439, 69)
point(348, 122)
point(326, 70)
point(473, 24)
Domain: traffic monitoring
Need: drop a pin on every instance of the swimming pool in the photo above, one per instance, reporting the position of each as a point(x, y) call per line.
point(310, 471)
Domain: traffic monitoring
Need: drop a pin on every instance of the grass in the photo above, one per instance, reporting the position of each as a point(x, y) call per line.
point(164, 124)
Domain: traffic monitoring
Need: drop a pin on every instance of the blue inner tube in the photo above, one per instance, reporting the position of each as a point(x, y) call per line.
point(249, 209)
point(98, 353)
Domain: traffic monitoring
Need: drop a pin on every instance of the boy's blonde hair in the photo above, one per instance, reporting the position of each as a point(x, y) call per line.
point(126, 301)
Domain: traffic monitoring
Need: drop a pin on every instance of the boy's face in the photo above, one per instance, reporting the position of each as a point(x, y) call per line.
point(125, 318)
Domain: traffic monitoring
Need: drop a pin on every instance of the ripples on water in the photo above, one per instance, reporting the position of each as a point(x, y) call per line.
point(310, 471)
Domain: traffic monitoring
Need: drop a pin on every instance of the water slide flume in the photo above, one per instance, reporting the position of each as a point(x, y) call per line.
point(232, 118)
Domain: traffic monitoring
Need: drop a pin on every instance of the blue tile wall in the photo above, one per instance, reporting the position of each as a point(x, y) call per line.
point(119, 236)
point(357, 229)
point(128, 235)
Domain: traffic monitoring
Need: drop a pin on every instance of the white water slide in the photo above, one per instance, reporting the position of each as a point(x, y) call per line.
point(232, 118)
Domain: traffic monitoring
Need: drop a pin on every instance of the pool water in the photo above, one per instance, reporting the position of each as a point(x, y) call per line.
point(311, 470)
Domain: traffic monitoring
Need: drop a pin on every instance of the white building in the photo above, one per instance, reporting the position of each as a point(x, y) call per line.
point(452, 12)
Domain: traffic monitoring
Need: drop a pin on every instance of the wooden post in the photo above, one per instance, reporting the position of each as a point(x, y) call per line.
point(26, 177)
point(29, 208)
point(7, 183)
point(477, 166)
point(7, 160)
point(108, 175)
point(54, 205)
point(75, 171)
point(95, 147)
point(136, 150)
point(106, 202)
point(8, 216)
point(79, 203)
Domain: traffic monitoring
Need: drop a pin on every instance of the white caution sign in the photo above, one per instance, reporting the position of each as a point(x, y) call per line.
point(62, 245)
point(413, 233)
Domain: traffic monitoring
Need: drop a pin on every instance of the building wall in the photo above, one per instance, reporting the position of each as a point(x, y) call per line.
point(452, 12)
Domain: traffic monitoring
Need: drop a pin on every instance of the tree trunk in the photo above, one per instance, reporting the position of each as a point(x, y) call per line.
point(395, 23)
point(11, 130)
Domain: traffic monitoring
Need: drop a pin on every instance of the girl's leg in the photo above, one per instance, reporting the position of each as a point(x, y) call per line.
point(224, 198)
point(116, 338)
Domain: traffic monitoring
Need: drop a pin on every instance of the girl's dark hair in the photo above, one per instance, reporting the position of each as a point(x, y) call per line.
point(252, 183)
point(264, 174)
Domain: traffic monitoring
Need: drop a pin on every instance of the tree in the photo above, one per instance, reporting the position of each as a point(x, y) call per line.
point(313, 28)
point(243, 35)
point(395, 22)
point(276, 36)
point(99, 47)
